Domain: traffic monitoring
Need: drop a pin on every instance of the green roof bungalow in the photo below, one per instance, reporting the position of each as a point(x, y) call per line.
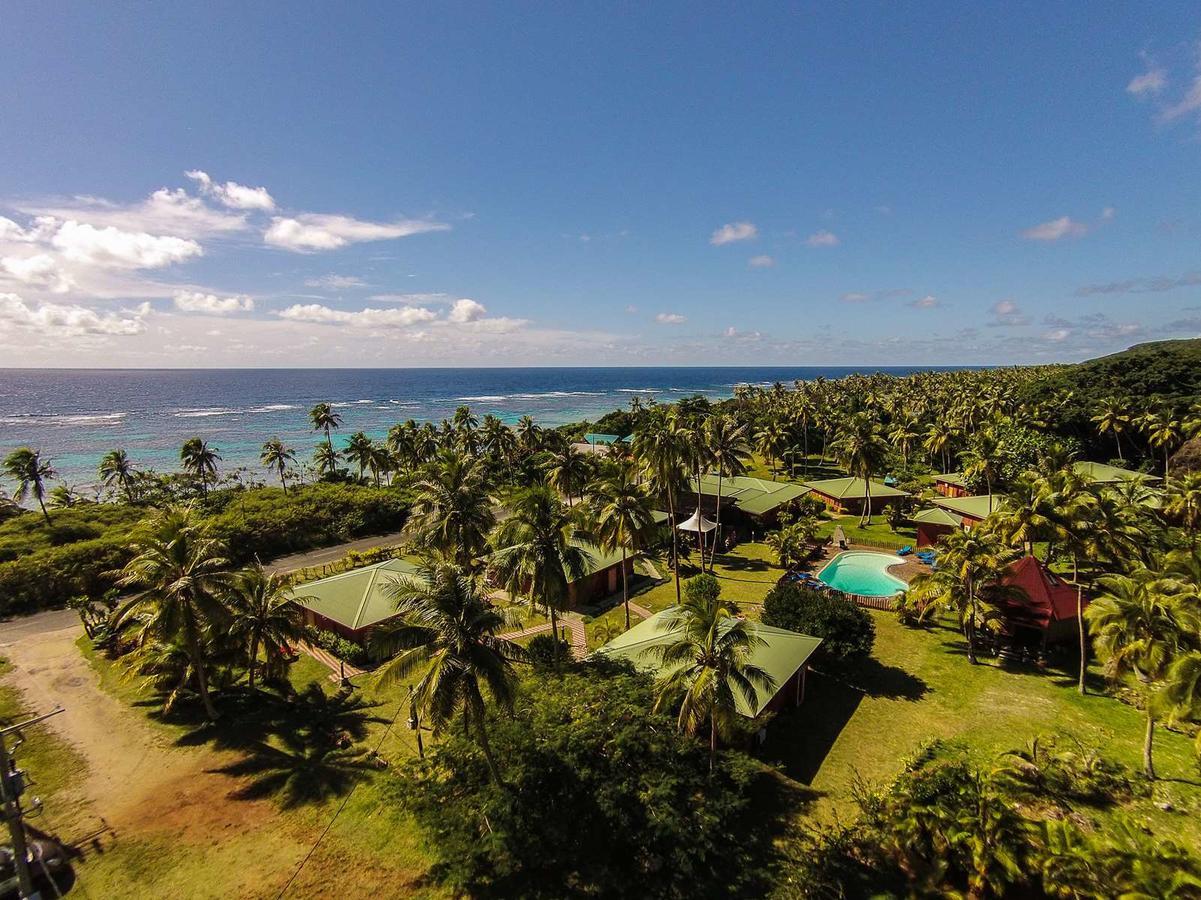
point(848, 495)
point(353, 603)
point(603, 577)
point(951, 484)
point(760, 499)
point(783, 654)
point(971, 511)
point(1100, 473)
point(933, 523)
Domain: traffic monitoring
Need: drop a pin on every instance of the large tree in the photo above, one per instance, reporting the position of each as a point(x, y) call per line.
point(661, 451)
point(200, 461)
point(624, 521)
point(27, 468)
point(452, 509)
point(115, 468)
point(276, 455)
point(263, 617)
point(862, 450)
point(728, 451)
point(324, 418)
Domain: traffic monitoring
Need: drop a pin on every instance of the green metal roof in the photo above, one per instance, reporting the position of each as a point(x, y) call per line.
point(602, 438)
point(1105, 474)
point(955, 478)
point(853, 489)
point(781, 654)
point(936, 516)
point(358, 598)
point(979, 507)
point(755, 496)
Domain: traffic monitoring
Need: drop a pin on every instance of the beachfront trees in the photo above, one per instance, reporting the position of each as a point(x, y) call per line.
point(452, 509)
point(772, 440)
point(661, 451)
point(729, 451)
point(324, 418)
point(276, 455)
point(449, 632)
point(966, 582)
point(180, 573)
point(262, 617)
point(325, 458)
point(708, 663)
point(624, 521)
point(1140, 627)
point(115, 468)
point(26, 467)
point(861, 449)
point(568, 473)
point(540, 553)
point(200, 461)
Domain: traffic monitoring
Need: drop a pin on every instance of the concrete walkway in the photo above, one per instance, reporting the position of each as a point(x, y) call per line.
point(330, 661)
point(579, 636)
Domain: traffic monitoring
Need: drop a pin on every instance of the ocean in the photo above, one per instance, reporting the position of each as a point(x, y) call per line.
point(75, 416)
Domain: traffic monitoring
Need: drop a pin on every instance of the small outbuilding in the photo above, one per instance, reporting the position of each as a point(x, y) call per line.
point(951, 484)
point(783, 654)
point(1101, 473)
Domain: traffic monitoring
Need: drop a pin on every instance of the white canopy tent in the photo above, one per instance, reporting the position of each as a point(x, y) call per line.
point(697, 523)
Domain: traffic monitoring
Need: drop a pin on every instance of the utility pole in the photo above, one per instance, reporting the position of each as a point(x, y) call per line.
point(12, 785)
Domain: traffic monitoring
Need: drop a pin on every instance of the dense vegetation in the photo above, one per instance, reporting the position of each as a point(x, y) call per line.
point(846, 630)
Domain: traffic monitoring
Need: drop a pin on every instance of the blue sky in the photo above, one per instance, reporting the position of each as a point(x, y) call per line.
point(596, 184)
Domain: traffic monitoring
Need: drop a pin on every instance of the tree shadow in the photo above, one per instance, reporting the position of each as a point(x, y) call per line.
point(882, 681)
point(742, 563)
point(306, 767)
point(800, 739)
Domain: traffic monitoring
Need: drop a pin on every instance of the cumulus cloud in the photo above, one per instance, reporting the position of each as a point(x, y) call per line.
point(1007, 314)
point(41, 270)
point(211, 304)
point(112, 247)
point(763, 261)
point(364, 318)
point(822, 238)
point(664, 318)
point(1055, 229)
point(466, 310)
point(232, 194)
point(310, 232)
point(927, 302)
point(62, 320)
point(167, 211)
point(732, 232)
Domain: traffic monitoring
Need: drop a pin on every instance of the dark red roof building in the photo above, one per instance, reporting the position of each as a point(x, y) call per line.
point(1046, 611)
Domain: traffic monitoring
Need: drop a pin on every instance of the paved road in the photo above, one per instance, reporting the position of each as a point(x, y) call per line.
point(14, 630)
point(331, 554)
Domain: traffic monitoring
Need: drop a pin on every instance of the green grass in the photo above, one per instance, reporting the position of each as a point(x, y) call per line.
point(920, 686)
point(746, 574)
point(877, 531)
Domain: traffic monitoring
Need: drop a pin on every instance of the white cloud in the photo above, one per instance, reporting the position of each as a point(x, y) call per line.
point(1007, 314)
point(1057, 335)
point(822, 238)
point(363, 318)
point(309, 232)
point(466, 310)
point(41, 270)
point(927, 302)
point(412, 299)
point(166, 211)
point(60, 320)
point(1108, 213)
point(112, 247)
point(670, 319)
point(232, 194)
point(335, 282)
point(763, 261)
point(855, 297)
point(1152, 81)
point(733, 231)
point(1189, 103)
point(1054, 230)
point(211, 304)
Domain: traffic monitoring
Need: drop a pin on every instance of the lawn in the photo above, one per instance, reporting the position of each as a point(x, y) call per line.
point(746, 575)
point(919, 686)
point(877, 531)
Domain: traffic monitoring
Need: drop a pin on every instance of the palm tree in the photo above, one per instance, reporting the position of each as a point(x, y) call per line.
point(1182, 503)
point(862, 450)
point(771, 440)
point(181, 573)
point(660, 450)
point(323, 418)
point(967, 580)
point(539, 552)
point(1028, 516)
point(1164, 431)
point(1139, 627)
point(982, 458)
point(903, 433)
point(200, 461)
point(115, 468)
point(276, 456)
point(624, 521)
point(27, 468)
point(529, 434)
point(263, 617)
point(937, 442)
point(326, 459)
point(728, 450)
point(1113, 417)
point(709, 662)
point(449, 632)
point(568, 473)
point(452, 509)
point(359, 450)
point(379, 461)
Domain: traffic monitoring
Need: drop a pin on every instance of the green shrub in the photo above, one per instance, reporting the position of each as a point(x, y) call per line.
point(546, 652)
point(847, 632)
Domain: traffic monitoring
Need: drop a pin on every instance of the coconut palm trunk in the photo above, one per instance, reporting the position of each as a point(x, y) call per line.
point(625, 587)
point(717, 522)
point(198, 666)
point(254, 659)
point(1148, 744)
point(1083, 642)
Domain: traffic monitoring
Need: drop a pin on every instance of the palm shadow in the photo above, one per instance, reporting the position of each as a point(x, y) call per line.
point(304, 768)
point(883, 681)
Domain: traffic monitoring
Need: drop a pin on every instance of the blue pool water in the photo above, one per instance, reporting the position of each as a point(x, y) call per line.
point(861, 572)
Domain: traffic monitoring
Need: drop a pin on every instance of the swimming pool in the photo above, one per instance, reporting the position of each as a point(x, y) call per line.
point(862, 572)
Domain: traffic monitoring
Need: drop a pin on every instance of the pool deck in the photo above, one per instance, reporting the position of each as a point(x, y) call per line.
point(906, 568)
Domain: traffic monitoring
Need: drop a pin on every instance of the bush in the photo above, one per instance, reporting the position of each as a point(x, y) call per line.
point(847, 632)
point(548, 653)
point(602, 798)
point(702, 587)
point(345, 650)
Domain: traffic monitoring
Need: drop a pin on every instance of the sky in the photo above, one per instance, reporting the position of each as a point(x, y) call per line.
point(271, 184)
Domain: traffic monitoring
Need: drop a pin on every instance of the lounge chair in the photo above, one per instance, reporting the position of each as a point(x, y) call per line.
point(906, 550)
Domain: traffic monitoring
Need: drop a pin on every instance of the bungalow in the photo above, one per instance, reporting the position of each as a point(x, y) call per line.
point(971, 511)
point(951, 484)
point(1100, 473)
point(597, 444)
point(848, 495)
point(1044, 610)
point(784, 655)
point(759, 499)
point(602, 578)
point(353, 603)
point(933, 523)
